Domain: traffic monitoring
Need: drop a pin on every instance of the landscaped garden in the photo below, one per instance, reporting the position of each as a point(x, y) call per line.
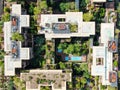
point(49, 51)
point(73, 47)
point(73, 28)
point(17, 37)
point(45, 88)
point(18, 83)
point(82, 79)
point(38, 51)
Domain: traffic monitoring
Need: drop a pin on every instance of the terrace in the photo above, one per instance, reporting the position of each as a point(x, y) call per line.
point(13, 47)
point(15, 50)
point(54, 78)
point(60, 28)
point(98, 1)
point(112, 77)
point(64, 26)
point(14, 20)
point(103, 55)
point(112, 46)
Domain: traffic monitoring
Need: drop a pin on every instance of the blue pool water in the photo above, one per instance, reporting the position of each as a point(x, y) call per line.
point(59, 50)
point(76, 58)
point(67, 58)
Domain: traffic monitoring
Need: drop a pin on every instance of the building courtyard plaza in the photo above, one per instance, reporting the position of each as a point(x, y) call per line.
point(59, 44)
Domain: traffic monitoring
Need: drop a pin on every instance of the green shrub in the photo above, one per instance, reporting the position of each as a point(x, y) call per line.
point(7, 9)
point(115, 63)
point(17, 36)
point(5, 17)
point(73, 27)
point(87, 16)
point(68, 6)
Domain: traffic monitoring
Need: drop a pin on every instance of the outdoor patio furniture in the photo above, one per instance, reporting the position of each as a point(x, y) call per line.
point(112, 77)
point(14, 21)
point(112, 46)
point(61, 26)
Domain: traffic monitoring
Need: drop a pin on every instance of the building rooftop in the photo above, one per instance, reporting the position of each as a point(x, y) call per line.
point(14, 50)
point(103, 58)
point(88, 28)
point(52, 25)
point(16, 9)
point(12, 61)
point(107, 32)
point(24, 20)
point(54, 78)
point(99, 1)
point(7, 36)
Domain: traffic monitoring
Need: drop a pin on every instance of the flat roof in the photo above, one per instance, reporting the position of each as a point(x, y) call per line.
point(16, 9)
point(99, 0)
point(88, 28)
point(24, 20)
point(12, 63)
point(102, 70)
point(102, 52)
point(49, 75)
point(107, 32)
point(78, 17)
point(9, 66)
point(7, 36)
point(23, 53)
point(98, 52)
point(85, 29)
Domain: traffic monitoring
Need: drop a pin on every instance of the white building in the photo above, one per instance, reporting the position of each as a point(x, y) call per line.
point(51, 24)
point(102, 63)
point(14, 50)
point(98, 1)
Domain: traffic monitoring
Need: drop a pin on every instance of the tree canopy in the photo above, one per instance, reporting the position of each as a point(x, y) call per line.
point(61, 65)
point(67, 6)
point(76, 49)
point(7, 9)
point(83, 4)
point(10, 84)
point(43, 4)
point(87, 16)
point(115, 63)
point(6, 17)
point(31, 8)
point(73, 27)
point(99, 14)
point(17, 36)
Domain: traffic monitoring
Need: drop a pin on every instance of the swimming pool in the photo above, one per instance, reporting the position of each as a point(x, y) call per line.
point(76, 58)
point(59, 50)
